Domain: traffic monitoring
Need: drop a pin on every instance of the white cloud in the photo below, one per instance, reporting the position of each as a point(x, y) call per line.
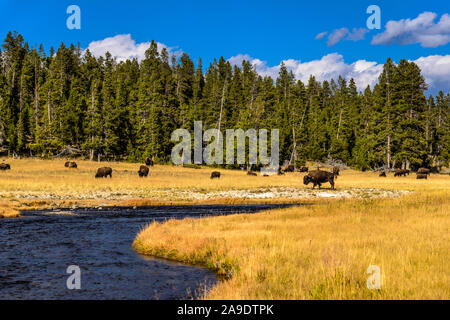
point(321, 35)
point(123, 47)
point(435, 69)
point(358, 34)
point(421, 30)
point(338, 35)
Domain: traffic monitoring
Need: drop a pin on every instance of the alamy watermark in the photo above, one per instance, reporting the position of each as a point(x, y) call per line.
point(74, 280)
point(74, 20)
point(374, 21)
point(235, 144)
point(374, 280)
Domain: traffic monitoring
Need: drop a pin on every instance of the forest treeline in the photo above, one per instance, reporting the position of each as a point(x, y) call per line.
point(128, 110)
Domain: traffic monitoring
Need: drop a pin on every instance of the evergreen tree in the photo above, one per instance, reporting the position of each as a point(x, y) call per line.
point(128, 109)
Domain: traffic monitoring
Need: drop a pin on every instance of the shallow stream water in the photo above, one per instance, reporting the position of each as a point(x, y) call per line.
point(37, 249)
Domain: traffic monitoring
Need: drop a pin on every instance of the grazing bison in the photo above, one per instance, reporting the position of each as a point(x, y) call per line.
point(421, 176)
point(336, 171)
point(148, 162)
point(317, 177)
point(400, 172)
point(215, 174)
point(143, 171)
point(423, 171)
point(104, 172)
point(382, 174)
point(5, 166)
point(71, 164)
point(250, 173)
point(289, 168)
point(303, 169)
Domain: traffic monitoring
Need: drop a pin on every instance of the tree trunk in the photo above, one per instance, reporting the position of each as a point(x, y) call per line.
point(388, 151)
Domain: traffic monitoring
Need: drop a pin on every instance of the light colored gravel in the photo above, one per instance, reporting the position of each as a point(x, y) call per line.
point(198, 194)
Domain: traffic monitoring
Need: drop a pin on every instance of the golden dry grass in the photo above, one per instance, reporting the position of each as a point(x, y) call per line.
point(322, 251)
point(39, 184)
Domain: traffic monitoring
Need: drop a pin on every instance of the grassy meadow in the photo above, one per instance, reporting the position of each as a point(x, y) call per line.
point(321, 251)
point(35, 184)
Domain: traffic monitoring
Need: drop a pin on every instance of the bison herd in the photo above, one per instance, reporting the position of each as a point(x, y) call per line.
point(317, 177)
point(422, 173)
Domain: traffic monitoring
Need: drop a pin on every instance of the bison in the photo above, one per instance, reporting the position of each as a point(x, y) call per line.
point(317, 177)
point(143, 171)
point(289, 168)
point(148, 162)
point(215, 174)
point(400, 172)
point(280, 171)
point(421, 176)
point(104, 172)
point(303, 169)
point(5, 166)
point(251, 173)
point(71, 164)
point(382, 174)
point(423, 171)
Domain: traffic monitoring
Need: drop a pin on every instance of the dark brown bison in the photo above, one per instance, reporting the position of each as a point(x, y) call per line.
point(303, 169)
point(400, 172)
point(289, 168)
point(421, 176)
point(317, 177)
point(5, 166)
point(280, 171)
point(104, 172)
point(382, 174)
point(148, 162)
point(143, 171)
point(423, 171)
point(251, 173)
point(215, 174)
point(336, 171)
point(71, 164)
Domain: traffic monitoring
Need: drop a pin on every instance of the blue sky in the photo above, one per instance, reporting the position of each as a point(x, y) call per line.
point(266, 32)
